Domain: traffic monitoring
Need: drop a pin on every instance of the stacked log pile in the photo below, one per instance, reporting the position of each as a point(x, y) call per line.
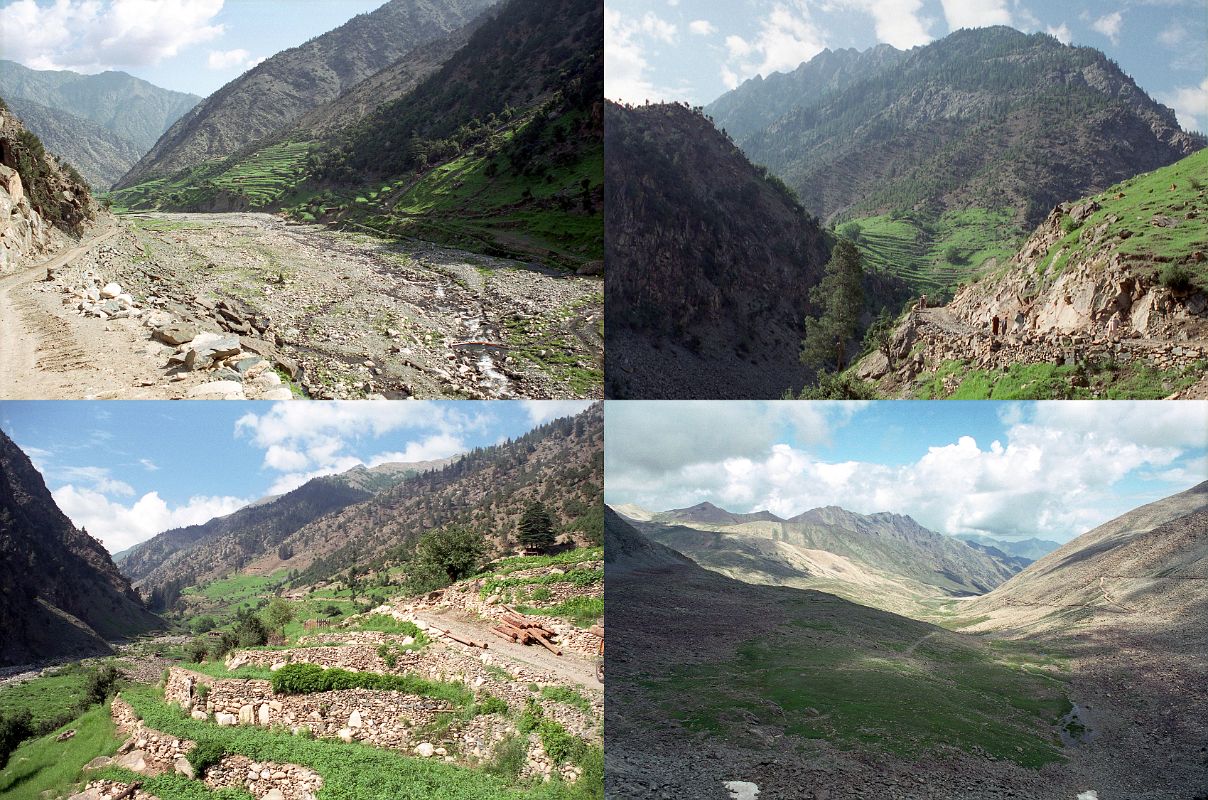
point(515, 627)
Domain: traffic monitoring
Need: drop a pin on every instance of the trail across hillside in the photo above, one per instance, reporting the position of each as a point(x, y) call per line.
point(353, 315)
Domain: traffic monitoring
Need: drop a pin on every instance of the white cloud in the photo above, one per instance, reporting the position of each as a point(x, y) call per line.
point(308, 440)
point(1190, 103)
point(98, 478)
point(148, 464)
point(540, 411)
point(787, 37)
point(1055, 473)
point(228, 59)
point(1109, 25)
point(1173, 35)
point(95, 35)
point(119, 526)
point(626, 44)
point(976, 13)
point(1061, 33)
point(702, 27)
point(897, 22)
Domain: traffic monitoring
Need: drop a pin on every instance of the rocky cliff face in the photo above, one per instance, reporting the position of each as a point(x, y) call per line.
point(60, 594)
point(710, 262)
point(1118, 277)
point(41, 200)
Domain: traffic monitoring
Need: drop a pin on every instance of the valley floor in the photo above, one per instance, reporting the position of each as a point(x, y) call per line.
point(340, 315)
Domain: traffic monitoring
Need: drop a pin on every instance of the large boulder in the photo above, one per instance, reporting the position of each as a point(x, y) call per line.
point(206, 348)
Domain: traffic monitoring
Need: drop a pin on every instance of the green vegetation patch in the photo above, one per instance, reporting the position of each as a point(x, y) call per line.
point(909, 702)
point(48, 697)
point(931, 254)
point(573, 577)
point(46, 765)
point(1135, 381)
point(310, 678)
point(217, 669)
point(506, 566)
point(582, 612)
point(1125, 221)
point(356, 771)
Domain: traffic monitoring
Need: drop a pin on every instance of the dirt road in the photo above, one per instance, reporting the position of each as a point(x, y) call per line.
point(357, 316)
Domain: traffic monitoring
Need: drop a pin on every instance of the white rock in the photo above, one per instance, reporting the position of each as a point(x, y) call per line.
point(264, 715)
point(345, 734)
point(223, 718)
point(111, 290)
point(183, 767)
point(247, 715)
point(225, 390)
point(425, 750)
point(354, 719)
point(742, 790)
point(198, 714)
point(273, 794)
point(277, 394)
point(275, 667)
point(1090, 795)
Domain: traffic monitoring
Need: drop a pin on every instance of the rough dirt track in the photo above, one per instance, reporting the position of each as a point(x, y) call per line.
point(359, 316)
point(569, 667)
point(46, 353)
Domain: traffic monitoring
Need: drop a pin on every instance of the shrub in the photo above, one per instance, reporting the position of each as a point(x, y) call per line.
point(1176, 277)
point(564, 694)
point(490, 704)
point(195, 651)
point(507, 757)
point(206, 754)
point(14, 729)
point(530, 718)
point(559, 745)
point(100, 683)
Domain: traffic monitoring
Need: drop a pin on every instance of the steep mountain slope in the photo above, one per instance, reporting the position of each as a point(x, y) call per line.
point(130, 108)
point(712, 680)
point(1144, 566)
point(182, 556)
point(710, 263)
point(489, 139)
point(40, 198)
point(100, 155)
point(559, 463)
point(277, 92)
point(60, 594)
point(954, 150)
point(1107, 298)
point(887, 561)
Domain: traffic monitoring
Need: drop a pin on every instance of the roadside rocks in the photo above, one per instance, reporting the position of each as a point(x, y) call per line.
point(175, 333)
point(265, 780)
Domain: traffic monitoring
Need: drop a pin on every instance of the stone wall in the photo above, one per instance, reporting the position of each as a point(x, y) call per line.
point(358, 657)
point(264, 780)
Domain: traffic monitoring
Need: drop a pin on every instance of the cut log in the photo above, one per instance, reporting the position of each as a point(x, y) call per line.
point(500, 632)
point(128, 791)
point(550, 647)
point(465, 641)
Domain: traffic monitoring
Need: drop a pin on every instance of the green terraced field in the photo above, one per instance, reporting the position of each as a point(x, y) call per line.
point(258, 180)
point(935, 255)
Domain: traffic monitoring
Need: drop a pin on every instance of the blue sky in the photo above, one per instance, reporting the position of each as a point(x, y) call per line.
point(128, 470)
point(188, 45)
point(1009, 470)
point(695, 50)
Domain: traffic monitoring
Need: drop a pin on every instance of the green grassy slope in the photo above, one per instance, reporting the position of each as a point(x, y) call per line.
point(45, 765)
point(933, 254)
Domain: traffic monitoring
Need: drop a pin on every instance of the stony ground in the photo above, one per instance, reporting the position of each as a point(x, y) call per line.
point(337, 315)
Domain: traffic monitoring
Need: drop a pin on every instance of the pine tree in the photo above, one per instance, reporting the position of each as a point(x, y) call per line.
point(840, 295)
point(536, 529)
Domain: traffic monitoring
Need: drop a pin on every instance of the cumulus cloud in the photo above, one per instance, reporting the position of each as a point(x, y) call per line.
point(1054, 473)
point(1061, 33)
point(1109, 26)
point(1190, 103)
point(897, 22)
point(975, 13)
point(96, 35)
point(231, 59)
point(702, 27)
point(305, 441)
point(119, 526)
point(540, 411)
point(98, 478)
point(626, 44)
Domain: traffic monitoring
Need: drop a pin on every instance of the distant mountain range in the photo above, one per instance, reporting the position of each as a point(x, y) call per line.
point(369, 515)
point(182, 556)
point(1031, 549)
point(100, 124)
point(275, 93)
point(946, 155)
point(885, 560)
point(60, 594)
